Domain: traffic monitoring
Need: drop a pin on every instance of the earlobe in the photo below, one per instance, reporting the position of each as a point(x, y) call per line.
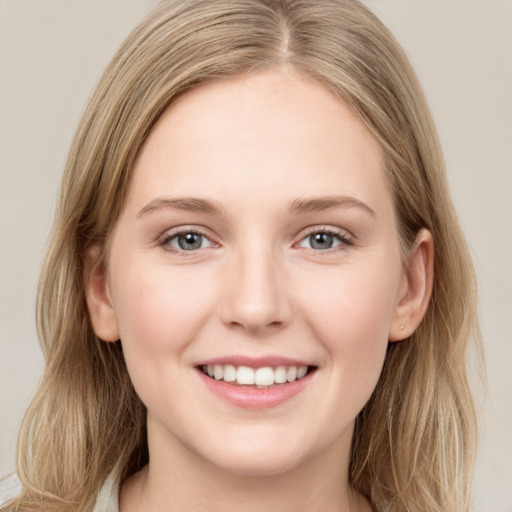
point(415, 294)
point(98, 299)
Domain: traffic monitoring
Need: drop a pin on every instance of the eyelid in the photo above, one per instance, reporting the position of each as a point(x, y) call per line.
point(325, 228)
point(346, 238)
point(169, 234)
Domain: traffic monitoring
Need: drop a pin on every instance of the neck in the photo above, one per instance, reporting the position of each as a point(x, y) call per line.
point(178, 480)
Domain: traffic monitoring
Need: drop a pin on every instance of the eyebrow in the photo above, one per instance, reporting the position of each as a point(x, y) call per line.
point(296, 206)
point(317, 204)
point(187, 204)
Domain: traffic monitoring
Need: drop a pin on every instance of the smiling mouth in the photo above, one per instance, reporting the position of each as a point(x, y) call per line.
point(260, 378)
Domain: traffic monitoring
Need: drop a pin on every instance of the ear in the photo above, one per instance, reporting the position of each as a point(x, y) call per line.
point(97, 295)
point(415, 289)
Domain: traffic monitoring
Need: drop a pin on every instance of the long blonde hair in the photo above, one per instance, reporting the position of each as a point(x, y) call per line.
point(414, 442)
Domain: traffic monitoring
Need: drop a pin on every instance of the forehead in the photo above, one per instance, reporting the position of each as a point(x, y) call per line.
point(275, 134)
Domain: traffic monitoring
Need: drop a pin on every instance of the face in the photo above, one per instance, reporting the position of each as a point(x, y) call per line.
point(257, 243)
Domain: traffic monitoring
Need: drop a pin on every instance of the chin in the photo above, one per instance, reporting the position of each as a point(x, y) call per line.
point(258, 466)
point(257, 459)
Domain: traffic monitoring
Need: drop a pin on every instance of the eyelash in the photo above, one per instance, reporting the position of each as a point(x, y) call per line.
point(168, 237)
point(344, 240)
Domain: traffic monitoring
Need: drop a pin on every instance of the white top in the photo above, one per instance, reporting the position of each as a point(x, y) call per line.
point(108, 498)
point(107, 501)
point(10, 487)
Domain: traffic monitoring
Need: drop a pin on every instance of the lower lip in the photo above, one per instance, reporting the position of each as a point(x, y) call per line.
point(256, 398)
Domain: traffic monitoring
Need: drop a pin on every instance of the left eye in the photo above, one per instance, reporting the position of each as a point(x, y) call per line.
point(189, 241)
point(322, 241)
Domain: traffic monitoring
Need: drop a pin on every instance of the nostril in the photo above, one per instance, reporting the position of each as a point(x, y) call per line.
point(257, 327)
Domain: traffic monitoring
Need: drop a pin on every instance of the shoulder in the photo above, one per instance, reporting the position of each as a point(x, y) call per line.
point(10, 487)
point(107, 500)
point(108, 497)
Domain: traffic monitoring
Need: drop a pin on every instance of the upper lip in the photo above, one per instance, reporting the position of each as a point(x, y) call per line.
point(254, 362)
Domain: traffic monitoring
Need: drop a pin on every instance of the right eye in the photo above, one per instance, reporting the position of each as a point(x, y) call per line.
point(326, 240)
point(186, 241)
point(321, 241)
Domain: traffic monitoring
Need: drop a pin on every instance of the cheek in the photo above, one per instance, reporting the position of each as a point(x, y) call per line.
point(351, 313)
point(158, 308)
point(356, 301)
point(160, 311)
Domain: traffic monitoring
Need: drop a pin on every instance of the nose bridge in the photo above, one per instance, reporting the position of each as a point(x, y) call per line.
point(256, 298)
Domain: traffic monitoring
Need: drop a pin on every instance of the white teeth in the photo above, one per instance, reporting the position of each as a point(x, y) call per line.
point(245, 375)
point(264, 376)
point(217, 372)
point(301, 371)
point(291, 374)
point(280, 375)
point(229, 373)
point(259, 377)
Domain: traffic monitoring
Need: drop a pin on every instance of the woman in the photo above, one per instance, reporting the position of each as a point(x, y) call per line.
point(257, 294)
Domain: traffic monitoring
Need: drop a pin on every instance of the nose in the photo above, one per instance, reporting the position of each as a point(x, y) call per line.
point(256, 297)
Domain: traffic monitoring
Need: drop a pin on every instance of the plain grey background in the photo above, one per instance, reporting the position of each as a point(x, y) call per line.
point(52, 53)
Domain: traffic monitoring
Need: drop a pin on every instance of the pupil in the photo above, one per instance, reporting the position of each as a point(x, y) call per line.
point(190, 241)
point(321, 241)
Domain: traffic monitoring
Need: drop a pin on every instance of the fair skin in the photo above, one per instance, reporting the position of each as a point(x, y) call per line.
point(288, 255)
